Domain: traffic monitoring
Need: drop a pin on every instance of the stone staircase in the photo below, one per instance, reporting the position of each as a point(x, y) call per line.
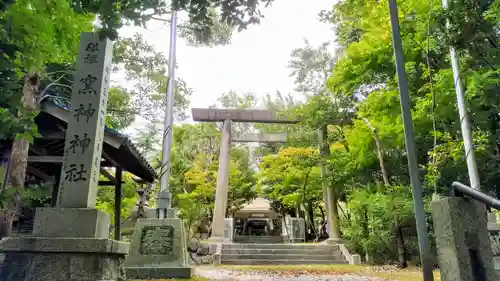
point(281, 254)
point(258, 239)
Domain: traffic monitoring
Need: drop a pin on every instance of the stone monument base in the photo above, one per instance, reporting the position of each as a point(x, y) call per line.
point(222, 240)
point(171, 213)
point(334, 241)
point(158, 250)
point(61, 259)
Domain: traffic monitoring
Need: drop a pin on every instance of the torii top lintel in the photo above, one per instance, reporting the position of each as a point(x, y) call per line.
point(239, 115)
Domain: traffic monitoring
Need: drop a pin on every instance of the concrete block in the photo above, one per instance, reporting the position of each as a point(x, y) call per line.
point(355, 259)
point(229, 229)
point(69, 222)
point(171, 213)
point(163, 199)
point(462, 240)
point(158, 250)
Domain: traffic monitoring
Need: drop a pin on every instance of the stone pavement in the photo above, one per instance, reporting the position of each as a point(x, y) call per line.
point(233, 275)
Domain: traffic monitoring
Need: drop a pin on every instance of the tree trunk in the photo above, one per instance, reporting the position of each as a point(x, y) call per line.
point(378, 144)
point(19, 156)
point(322, 230)
point(402, 263)
point(324, 151)
point(366, 232)
point(310, 217)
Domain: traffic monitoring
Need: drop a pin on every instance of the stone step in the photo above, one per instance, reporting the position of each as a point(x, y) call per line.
point(279, 239)
point(239, 238)
point(298, 251)
point(278, 262)
point(271, 257)
point(308, 247)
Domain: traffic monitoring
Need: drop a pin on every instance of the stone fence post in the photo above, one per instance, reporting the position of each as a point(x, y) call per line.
point(462, 240)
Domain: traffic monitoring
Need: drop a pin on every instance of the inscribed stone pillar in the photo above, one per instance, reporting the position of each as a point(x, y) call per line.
point(222, 183)
point(85, 133)
point(72, 236)
point(462, 240)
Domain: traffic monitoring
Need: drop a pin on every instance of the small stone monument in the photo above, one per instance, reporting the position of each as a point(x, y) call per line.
point(229, 229)
point(158, 250)
point(463, 243)
point(71, 241)
point(296, 229)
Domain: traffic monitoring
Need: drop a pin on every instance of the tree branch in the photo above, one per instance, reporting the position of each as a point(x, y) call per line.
point(55, 83)
point(179, 26)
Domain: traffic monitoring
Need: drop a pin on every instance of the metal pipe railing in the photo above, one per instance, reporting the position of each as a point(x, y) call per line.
point(462, 189)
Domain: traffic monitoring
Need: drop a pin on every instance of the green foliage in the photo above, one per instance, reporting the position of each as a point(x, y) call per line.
point(194, 175)
point(380, 208)
point(205, 16)
point(38, 195)
point(364, 80)
point(42, 32)
point(291, 177)
point(106, 198)
point(119, 105)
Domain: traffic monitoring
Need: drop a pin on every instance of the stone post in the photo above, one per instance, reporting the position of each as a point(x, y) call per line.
point(85, 134)
point(494, 231)
point(332, 217)
point(69, 238)
point(222, 183)
point(158, 247)
point(229, 229)
point(328, 191)
point(462, 240)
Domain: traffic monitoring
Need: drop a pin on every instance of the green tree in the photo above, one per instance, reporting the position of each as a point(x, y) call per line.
point(194, 164)
point(291, 179)
point(106, 198)
point(364, 77)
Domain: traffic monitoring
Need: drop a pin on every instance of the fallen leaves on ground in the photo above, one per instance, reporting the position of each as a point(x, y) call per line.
point(386, 272)
point(190, 279)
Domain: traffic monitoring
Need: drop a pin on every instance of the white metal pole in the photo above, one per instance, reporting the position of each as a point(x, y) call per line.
point(163, 200)
point(464, 119)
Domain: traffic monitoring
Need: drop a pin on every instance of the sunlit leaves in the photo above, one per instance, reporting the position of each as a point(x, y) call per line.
point(43, 32)
point(291, 177)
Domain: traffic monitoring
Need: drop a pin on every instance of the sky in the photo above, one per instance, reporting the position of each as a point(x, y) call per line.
point(256, 59)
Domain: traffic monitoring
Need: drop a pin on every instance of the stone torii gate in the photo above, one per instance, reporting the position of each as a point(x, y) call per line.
point(227, 116)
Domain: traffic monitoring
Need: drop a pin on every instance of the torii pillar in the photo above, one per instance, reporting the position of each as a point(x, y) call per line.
point(227, 116)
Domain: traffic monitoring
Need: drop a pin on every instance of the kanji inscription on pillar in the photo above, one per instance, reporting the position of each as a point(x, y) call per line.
point(86, 121)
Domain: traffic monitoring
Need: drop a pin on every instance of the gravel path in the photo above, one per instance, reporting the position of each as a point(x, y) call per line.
point(233, 275)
